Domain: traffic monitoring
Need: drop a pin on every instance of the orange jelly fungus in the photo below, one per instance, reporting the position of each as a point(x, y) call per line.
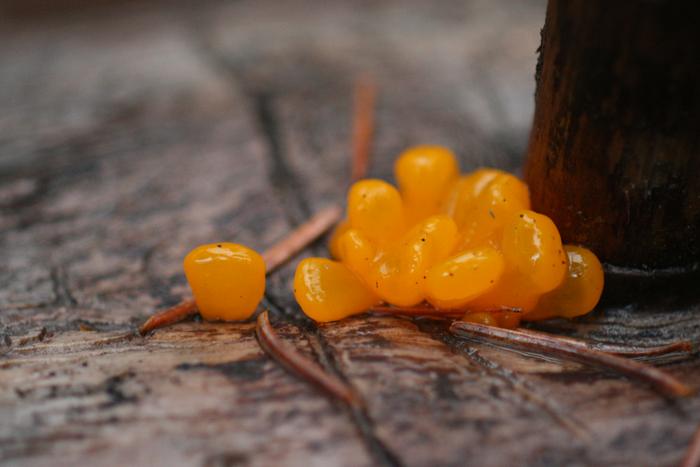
point(334, 242)
point(503, 319)
point(328, 291)
point(580, 291)
point(458, 280)
point(468, 243)
point(398, 272)
point(425, 174)
point(375, 207)
point(227, 280)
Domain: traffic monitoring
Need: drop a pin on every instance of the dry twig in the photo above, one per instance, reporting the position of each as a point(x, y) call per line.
point(419, 310)
point(658, 379)
point(621, 350)
point(172, 315)
point(299, 364)
point(363, 126)
point(692, 455)
point(300, 238)
point(625, 351)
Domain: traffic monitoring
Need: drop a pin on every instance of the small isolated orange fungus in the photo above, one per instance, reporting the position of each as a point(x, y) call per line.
point(227, 280)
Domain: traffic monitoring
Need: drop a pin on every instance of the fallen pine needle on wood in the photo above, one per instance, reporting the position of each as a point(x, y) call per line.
point(274, 257)
point(692, 455)
point(418, 310)
point(363, 126)
point(661, 381)
point(625, 351)
point(170, 316)
point(299, 364)
point(621, 350)
point(300, 238)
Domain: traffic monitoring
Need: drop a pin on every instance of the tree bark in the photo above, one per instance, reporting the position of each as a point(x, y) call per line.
point(613, 152)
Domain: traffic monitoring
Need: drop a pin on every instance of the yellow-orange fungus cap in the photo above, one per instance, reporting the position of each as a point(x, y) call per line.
point(328, 291)
point(227, 280)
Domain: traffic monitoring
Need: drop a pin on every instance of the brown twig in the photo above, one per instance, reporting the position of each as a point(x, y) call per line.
point(621, 350)
point(419, 310)
point(274, 257)
point(692, 455)
point(172, 315)
point(658, 379)
point(625, 351)
point(363, 126)
point(301, 237)
point(299, 364)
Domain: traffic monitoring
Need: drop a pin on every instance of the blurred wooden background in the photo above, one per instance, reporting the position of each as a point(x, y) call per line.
point(132, 131)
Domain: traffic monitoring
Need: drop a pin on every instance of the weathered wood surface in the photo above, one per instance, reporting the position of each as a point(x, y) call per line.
point(130, 133)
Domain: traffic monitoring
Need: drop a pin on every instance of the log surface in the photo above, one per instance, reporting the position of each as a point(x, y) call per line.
point(132, 131)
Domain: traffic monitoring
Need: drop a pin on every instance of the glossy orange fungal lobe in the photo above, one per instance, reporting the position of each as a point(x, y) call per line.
point(502, 318)
point(357, 252)
point(503, 195)
point(481, 317)
point(500, 196)
point(579, 292)
point(425, 175)
point(400, 271)
point(227, 280)
point(511, 291)
point(461, 199)
point(459, 279)
point(334, 240)
point(328, 291)
point(431, 240)
point(509, 319)
point(532, 247)
point(375, 207)
point(391, 281)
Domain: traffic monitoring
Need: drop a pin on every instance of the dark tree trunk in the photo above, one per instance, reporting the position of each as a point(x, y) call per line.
point(613, 154)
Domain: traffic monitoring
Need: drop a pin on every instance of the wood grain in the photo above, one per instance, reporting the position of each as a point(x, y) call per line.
point(132, 132)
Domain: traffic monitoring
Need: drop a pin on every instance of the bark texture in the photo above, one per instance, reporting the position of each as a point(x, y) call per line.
point(613, 155)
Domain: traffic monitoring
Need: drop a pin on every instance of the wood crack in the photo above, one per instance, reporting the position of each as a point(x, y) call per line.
point(62, 293)
point(357, 413)
point(438, 332)
point(282, 178)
